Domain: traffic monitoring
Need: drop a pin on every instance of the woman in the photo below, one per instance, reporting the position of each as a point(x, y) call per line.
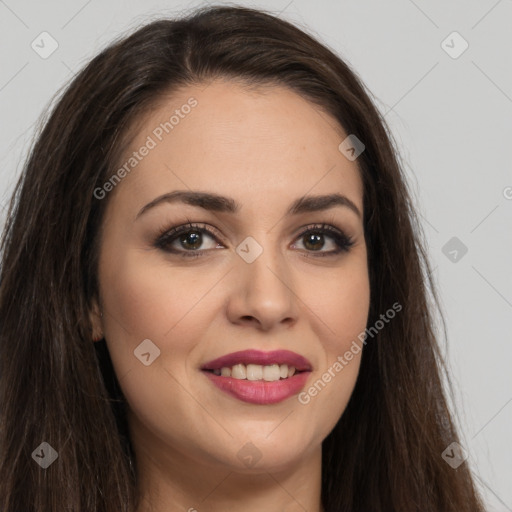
point(213, 289)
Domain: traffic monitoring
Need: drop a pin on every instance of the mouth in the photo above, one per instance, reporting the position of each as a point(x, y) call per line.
point(259, 377)
point(257, 365)
point(255, 372)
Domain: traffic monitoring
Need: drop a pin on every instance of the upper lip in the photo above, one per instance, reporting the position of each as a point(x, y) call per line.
point(261, 358)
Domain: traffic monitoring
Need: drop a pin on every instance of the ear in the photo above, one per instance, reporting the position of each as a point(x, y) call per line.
point(96, 319)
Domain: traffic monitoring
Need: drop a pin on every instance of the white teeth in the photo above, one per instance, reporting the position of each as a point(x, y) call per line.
point(238, 371)
point(271, 373)
point(267, 373)
point(254, 372)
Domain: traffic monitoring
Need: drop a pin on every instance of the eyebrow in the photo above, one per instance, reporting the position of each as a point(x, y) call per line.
point(217, 203)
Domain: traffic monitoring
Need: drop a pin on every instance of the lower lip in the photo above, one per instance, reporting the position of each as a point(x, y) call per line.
point(260, 392)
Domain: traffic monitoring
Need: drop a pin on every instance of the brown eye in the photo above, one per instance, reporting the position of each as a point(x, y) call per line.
point(194, 238)
point(187, 240)
point(314, 240)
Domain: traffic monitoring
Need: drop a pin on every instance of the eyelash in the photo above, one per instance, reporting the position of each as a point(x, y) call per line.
point(167, 236)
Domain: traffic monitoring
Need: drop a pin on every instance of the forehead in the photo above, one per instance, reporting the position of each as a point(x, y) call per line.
point(244, 142)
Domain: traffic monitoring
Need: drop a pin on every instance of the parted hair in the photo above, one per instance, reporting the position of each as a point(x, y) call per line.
point(57, 386)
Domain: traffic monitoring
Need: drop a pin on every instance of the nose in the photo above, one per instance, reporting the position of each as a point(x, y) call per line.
point(262, 293)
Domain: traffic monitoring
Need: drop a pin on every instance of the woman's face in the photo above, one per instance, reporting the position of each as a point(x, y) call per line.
point(258, 282)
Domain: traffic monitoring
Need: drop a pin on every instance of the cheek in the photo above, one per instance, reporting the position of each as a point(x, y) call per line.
point(346, 312)
point(152, 302)
point(151, 299)
point(341, 304)
point(341, 301)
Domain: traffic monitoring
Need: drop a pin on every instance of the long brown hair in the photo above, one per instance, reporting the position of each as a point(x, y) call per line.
point(58, 387)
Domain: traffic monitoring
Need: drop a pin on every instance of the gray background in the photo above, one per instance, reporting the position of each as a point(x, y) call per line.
point(451, 117)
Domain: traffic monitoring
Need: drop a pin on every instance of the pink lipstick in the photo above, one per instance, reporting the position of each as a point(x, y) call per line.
point(259, 377)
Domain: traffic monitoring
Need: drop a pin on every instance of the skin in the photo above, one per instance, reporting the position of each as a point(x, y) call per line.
point(264, 148)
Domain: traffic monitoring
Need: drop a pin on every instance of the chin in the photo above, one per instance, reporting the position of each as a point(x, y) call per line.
point(274, 452)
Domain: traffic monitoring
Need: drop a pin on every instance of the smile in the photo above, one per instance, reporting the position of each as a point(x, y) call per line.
point(256, 372)
point(259, 377)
